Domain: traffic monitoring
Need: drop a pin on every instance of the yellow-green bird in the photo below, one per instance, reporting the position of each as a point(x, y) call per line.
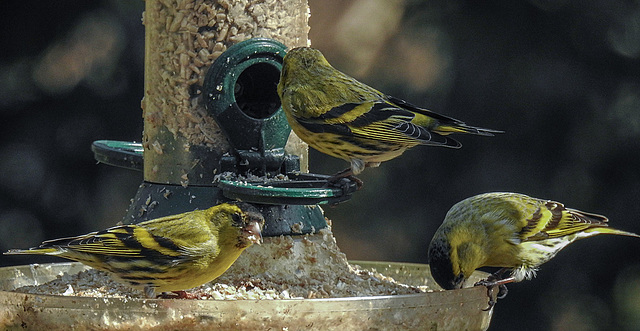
point(344, 118)
point(172, 253)
point(508, 230)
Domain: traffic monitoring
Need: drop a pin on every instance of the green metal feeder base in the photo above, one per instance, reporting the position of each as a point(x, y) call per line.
point(288, 204)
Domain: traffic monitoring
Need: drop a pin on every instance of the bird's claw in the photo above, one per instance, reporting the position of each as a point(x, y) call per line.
point(344, 180)
point(339, 179)
point(491, 286)
point(502, 291)
point(345, 185)
point(492, 301)
point(356, 180)
point(176, 295)
point(493, 281)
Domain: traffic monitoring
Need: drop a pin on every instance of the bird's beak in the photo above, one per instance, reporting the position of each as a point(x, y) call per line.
point(458, 283)
point(254, 232)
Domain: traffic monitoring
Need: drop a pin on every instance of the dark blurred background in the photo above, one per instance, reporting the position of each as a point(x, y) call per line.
point(562, 78)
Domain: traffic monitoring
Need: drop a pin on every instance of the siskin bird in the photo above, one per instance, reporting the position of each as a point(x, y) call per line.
point(171, 253)
point(508, 230)
point(344, 118)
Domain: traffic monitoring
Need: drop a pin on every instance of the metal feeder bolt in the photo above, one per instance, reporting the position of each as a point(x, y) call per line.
point(240, 94)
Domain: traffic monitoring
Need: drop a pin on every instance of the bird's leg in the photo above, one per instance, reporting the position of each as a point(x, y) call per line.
point(340, 174)
point(149, 291)
point(495, 280)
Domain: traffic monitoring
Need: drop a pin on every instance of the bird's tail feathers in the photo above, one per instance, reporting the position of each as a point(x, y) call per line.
point(460, 127)
point(446, 125)
point(608, 230)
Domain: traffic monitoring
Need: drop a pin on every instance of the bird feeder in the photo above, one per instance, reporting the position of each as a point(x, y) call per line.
point(239, 94)
point(214, 131)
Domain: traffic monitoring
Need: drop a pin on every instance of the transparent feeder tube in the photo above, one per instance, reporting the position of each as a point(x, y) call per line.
point(183, 38)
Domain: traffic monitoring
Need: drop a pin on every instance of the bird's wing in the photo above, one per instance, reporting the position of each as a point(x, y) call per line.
point(389, 123)
point(117, 241)
point(553, 220)
point(121, 241)
point(186, 229)
point(378, 120)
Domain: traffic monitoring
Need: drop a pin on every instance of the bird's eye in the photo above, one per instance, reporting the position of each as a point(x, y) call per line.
point(237, 218)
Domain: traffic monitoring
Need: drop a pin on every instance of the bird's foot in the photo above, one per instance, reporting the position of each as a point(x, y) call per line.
point(176, 295)
point(502, 293)
point(358, 181)
point(491, 283)
point(343, 180)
